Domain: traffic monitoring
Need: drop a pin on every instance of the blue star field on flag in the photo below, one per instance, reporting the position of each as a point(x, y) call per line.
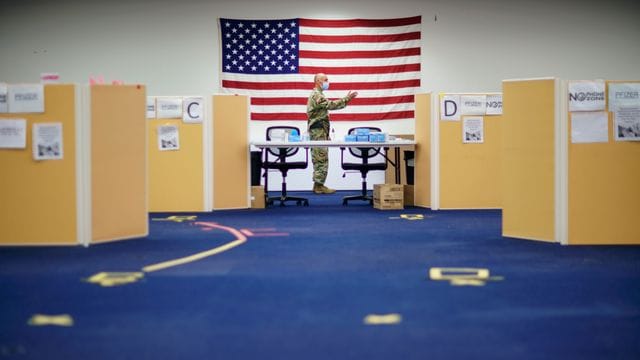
point(260, 46)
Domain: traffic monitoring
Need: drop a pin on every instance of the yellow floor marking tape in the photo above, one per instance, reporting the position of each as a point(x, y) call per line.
point(437, 273)
point(176, 218)
point(463, 276)
point(386, 319)
point(56, 320)
point(240, 239)
point(108, 279)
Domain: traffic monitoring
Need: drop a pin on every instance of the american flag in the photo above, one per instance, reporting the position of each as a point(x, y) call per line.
point(274, 61)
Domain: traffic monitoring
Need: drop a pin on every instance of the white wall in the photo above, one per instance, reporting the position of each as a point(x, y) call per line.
point(172, 46)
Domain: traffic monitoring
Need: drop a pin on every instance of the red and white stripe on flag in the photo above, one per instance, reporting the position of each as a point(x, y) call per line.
point(378, 58)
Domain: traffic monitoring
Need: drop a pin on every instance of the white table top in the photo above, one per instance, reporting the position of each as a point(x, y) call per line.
point(333, 143)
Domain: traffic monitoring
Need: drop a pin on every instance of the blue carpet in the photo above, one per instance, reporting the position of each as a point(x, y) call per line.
point(302, 283)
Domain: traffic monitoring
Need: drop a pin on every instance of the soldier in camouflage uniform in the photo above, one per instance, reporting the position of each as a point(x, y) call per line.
point(318, 126)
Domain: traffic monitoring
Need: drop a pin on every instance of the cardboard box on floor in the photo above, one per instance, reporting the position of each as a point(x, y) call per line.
point(408, 195)
point(257, 197)
point(388, 196)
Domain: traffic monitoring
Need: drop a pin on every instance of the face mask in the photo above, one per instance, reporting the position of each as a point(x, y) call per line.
point(325, 85)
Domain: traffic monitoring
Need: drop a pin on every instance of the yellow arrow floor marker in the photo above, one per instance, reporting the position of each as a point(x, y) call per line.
point(386, 319)
point(55, 320)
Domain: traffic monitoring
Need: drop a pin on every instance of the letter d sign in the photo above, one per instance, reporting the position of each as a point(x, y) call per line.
point(449, 107)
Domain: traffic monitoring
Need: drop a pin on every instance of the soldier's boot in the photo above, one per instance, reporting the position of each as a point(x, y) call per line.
point(321, 189)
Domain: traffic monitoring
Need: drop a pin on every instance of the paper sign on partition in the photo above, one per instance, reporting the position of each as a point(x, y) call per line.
point(26, 98)
point(624, 95)
point(449, 107)
point(192, 110)
point(586, 96)
point(494, 104)
point(168, 138)
point(589, 127)
point(169, 107)
point(47, 141)
point(4, 108)
point(151, 107)
point(627, 123)
point(473, 104)
point(472, 130)
point(13, 134)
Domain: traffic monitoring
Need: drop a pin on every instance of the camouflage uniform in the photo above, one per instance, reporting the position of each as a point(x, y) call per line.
point(318, 126)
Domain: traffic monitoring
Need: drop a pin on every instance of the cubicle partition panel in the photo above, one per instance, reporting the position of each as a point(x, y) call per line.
point(470, 172)
point(604, 189)
point(176, 171)
point(118, 162)
point(231, 165)
point(530, 119)
point(423, 151)
point(85, 184)
point(38, 198)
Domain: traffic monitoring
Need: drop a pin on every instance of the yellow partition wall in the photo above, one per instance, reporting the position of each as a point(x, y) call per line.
point(604, 191)
point(528, 173)
point(118, 162)
point(422, 161)
point(38, 198)
point(230, 152)
point(176, 178)
point(470, 174)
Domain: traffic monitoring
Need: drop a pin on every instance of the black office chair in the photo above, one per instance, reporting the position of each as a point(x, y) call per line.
point(279, 162)
point(364, 166)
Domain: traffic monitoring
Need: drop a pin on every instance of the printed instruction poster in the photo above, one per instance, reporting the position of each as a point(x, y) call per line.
point(169, 107)
point(47, 141)
point(589, 127)
point(449, 107)
point(494, 104)
point(168, 138)
point(472, 130)
point(627, 123)
point(192, 110)
point(13, 133)
point(26, 98)
point(586, 96)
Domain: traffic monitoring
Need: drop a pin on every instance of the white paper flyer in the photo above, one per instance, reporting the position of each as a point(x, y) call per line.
point(13, 133)
point(589, 127)
point(168, 138)
point(624, 95)
point(627, 123)
point(472, 130)
point(151, 107)
point(4, 106)
point(169, 107)
point(26, 98)
point(473, 104)
point(47, 141)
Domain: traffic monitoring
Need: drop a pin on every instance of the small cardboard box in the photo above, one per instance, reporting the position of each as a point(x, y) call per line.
point(408, 195)
point(388, 196)
point(257, 197)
